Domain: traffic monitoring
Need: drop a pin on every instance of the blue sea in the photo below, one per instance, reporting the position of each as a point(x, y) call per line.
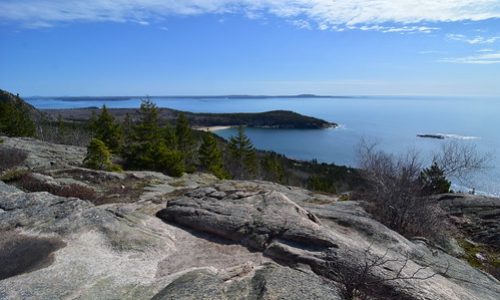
point(393, 122)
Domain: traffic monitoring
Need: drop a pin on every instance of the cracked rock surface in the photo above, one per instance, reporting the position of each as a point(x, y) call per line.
point(300, 236)
point(197, 237)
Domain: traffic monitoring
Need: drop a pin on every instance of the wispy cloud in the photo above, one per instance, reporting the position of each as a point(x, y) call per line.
point(480, 59)
point(302, 24)
point(401, 29)
point(486, 50)
point(325, 14)
point(473, 40)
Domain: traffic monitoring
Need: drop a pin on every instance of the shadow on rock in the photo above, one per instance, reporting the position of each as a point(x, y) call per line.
point(23, 254)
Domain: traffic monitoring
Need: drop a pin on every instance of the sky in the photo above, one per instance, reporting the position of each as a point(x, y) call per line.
point(251, 47)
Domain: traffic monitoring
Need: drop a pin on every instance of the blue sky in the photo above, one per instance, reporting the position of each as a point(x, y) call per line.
point(219, 47)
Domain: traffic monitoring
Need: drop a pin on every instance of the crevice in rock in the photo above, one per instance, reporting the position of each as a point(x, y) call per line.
point(115, 213)
point(7, 209)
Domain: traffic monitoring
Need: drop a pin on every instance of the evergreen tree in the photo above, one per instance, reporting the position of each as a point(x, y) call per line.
point(211, 157)
point(106, 129)
point(321, 183)
point(242, 154)
point(433, 181)
point(99, 157)
point(15, 119)
point(127, 128)
point(273, 168)
point(148, 127)
point(170, 136)
point(147, 148)
point(185, 141)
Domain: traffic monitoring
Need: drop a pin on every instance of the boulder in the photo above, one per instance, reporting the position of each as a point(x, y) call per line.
point(322, 237)
point(44, 155)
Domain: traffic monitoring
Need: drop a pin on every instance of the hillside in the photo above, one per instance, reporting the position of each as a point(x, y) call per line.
point(6, 97)
point(273, 119)
point(144, 235)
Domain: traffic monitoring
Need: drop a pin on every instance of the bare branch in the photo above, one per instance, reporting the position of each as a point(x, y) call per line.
point(393, 192)
point(460, 160)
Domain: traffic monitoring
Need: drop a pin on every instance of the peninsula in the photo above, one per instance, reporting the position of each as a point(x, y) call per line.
point(282, 119)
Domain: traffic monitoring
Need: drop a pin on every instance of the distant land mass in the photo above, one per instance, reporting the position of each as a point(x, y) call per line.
point(123, 98)
point(281, 119)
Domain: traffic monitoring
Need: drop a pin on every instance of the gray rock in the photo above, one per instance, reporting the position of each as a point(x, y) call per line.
point(269, 281)
point(477, 216)
point(271, 222)
point(23, 254)
point(43, 155)
point(254, 221)
point(221, 239)
point(112, 251)
point(5, 188)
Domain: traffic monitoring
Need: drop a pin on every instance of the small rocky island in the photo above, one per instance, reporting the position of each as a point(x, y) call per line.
point(431, 136)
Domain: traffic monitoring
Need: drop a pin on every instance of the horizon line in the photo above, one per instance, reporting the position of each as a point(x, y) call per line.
point(306, 95)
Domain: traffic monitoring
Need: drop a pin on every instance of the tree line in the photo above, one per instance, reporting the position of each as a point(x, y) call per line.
point(146, 143)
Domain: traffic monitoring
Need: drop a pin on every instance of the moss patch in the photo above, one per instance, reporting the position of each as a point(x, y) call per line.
point(473, 252)
point(12, 174)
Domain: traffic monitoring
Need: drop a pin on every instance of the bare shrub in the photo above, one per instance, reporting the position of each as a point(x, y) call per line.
point(71, 134)
point(460, 160)
point(397, 188)
point(31, 184)
point(77, 191)
point(393, 192)
point(10, 158)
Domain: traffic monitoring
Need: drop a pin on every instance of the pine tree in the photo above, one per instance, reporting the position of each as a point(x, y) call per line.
point(99, 157)
point(106, 129)
point(15, 119)
point(211, 157)
point(273, 168)
point(170, 136)
point(433, 180)
point(127, 127)
point(185, 141)
point(147, 148)
point(148, 127)
point(242, 154)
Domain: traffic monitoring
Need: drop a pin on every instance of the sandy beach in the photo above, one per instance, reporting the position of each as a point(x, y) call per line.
point(213, 128)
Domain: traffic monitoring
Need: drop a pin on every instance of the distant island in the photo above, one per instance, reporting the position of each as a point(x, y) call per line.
point(123, 98)
point(431, 136)
point(280, 119)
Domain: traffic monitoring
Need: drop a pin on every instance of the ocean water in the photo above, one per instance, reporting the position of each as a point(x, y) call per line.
point(392, 122)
